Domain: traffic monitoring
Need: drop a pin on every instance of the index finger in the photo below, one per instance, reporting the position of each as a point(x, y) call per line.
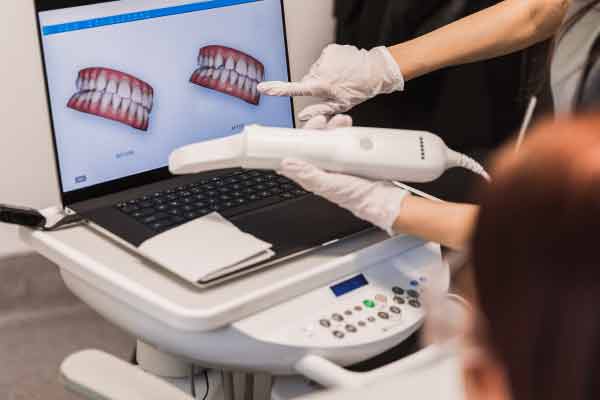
point(291, 89)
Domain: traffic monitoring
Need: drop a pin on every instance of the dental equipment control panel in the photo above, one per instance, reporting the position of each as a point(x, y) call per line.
point(381, 302)
point(368, 311)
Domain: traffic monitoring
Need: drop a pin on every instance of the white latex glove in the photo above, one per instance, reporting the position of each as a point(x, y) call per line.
point(320, 122)
point(344, 76)
point(376, 202)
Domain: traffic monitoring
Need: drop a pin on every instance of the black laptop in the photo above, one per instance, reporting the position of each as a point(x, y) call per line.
point(130, 81)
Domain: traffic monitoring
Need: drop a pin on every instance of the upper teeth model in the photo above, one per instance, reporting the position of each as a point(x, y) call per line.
point(114, 95)
point(229, 71)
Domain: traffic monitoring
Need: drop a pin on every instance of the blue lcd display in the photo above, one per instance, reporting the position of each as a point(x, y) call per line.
point(350, 285)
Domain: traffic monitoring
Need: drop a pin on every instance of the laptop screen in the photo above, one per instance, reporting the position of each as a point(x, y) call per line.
point(130, 81)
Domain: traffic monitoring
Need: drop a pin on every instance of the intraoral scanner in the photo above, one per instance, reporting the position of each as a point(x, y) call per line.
point(380, 154)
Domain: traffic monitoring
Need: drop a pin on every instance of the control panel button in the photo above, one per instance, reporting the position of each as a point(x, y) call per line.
point(369, 303)
point(381, 298)
point(351, 328)
point(383, 315)
point(372, 319)
point(337, 317)
point(339, 334)
point(362, 324)
point(347, 313)
point(413, 294)
point(399, 300)
point(358, 308)
point(398, 290)
point(415, 303)
point(395, 310)
point(414, 283)
point(325, 323)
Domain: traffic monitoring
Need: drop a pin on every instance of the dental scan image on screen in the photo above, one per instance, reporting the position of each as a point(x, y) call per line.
point(113, 95)
point(229, 71)
point(131, 81)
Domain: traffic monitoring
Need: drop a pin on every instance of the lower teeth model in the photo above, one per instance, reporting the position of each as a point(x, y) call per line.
point(113, 95)
point(229, 71)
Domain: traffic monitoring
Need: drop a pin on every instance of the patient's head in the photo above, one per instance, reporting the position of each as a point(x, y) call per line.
point(536, 251)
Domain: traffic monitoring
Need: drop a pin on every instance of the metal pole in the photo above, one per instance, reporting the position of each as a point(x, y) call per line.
point(249, 380)
point(228, 385)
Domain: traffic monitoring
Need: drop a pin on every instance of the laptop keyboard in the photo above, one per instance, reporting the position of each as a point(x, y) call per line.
point(232, 194)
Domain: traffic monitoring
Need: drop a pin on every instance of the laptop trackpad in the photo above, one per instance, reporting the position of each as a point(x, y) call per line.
point(300, 225)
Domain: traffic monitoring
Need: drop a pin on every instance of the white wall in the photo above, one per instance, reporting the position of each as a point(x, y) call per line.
point(27, 172)
point(311, 27)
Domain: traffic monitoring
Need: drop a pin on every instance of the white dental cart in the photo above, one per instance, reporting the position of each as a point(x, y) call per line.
point(312, 315)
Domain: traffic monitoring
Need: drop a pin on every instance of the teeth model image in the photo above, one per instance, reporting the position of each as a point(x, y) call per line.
point(229, 71)
point(113, 95)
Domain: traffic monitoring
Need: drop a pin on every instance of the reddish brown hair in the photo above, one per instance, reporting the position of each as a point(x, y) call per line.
point(537, 255)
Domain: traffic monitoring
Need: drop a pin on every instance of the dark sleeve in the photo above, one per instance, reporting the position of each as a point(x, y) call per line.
point(346, 9)
point(428, 16)
point(367, 24)
point(589, 91)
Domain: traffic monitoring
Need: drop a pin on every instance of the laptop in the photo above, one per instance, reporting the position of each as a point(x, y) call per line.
point(130, 81)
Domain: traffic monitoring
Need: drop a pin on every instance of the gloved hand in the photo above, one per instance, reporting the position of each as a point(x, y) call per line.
point(344, 76)
point(376, 202)
point(320, 122)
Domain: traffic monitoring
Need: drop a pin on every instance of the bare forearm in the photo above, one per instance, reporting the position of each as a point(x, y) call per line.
point(449, 224)
point(509, 26)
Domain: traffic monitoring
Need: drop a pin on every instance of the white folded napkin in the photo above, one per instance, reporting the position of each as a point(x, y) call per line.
point(206, 249)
